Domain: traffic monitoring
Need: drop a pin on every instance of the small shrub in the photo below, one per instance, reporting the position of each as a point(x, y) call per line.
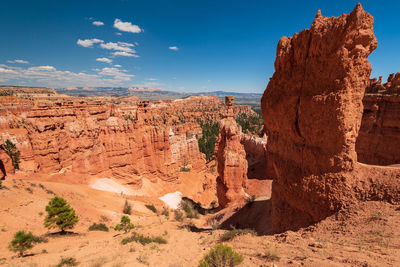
point(165, 212)
point(221, 255)
point(127, 208)
point(185, 169)
point(29, 190)
point(178, 215)
point(70, 261)
point(98, 227)
point(1, 184)
point(151, 207)
point(188, 208)
point(125, 225)
point(104, 218)
point(235, 232)
point(60, 215)
point(44, 251)
point(143, 239)
point(142, 258)
point(40, 239)
point(22, 241)
point(271, 255)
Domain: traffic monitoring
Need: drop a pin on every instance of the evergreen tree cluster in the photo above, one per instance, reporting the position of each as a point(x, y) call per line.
point(210, 132)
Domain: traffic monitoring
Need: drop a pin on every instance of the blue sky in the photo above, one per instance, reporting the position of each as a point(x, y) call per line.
point(182, 45)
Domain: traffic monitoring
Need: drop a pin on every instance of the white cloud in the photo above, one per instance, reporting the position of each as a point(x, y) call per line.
point(51, 77)
point(20, 61)
point(118, 33)
point(120, 46)
point(117, 73)
point(7, 71)
point(88, 42)
point(104, 59)
point(118, 66)
point(175, 48)
point(126, 26)
point(125, 54)
point(42, 68)
point(98, 23)
point(151, 79)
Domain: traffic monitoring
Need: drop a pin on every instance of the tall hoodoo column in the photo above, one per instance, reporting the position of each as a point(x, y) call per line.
point(312, 109)
point(231, 158)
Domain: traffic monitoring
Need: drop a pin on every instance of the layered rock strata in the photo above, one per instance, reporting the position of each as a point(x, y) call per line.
point(127, 139)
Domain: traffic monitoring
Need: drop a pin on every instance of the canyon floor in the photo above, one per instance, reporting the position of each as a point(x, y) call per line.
point(366, 235)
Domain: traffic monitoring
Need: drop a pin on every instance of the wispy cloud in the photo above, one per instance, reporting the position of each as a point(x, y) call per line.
point(126, 26)
point(20, 61)
point(104, 59)
point(175, 48)
point(98, 23)
point(118, 66)
point(151, 79)
point(88, 42)
point(124, 54)
point(120, 46)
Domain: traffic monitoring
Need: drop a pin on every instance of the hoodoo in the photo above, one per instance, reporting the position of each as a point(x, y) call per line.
point(312, 109)
point(231, 158)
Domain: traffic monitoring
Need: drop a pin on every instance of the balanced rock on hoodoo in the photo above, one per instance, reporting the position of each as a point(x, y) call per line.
point(231, 158)
point(312, 109)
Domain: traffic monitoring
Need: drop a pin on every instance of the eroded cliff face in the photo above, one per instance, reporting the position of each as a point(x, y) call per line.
point(379, 139)
point(312, 108)
point(126, 140)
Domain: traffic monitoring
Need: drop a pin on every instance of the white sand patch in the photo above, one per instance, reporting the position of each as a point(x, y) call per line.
point(172, 199)
point(106, 184)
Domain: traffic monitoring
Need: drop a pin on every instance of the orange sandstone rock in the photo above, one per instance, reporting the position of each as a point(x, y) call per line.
point(231, 159)
point(312, 108)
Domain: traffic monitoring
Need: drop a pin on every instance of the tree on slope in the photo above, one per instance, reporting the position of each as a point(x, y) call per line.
point(22, 241)
point(60, 215)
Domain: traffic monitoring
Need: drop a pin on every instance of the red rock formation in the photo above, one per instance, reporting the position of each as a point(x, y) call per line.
point(119, 137)
point(231, 158)
point(378, 141)
point(391, 87)
point(256, 155)
point(312, 108)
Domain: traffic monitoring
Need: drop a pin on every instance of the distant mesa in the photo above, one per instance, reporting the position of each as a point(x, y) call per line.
point(143, 89)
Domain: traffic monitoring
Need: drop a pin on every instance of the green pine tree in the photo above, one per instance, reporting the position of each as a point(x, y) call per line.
point(125, 224)
point(22, 241)
point(60, 215)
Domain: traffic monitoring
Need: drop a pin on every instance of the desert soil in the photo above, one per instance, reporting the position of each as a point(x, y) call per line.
point(363, 235)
